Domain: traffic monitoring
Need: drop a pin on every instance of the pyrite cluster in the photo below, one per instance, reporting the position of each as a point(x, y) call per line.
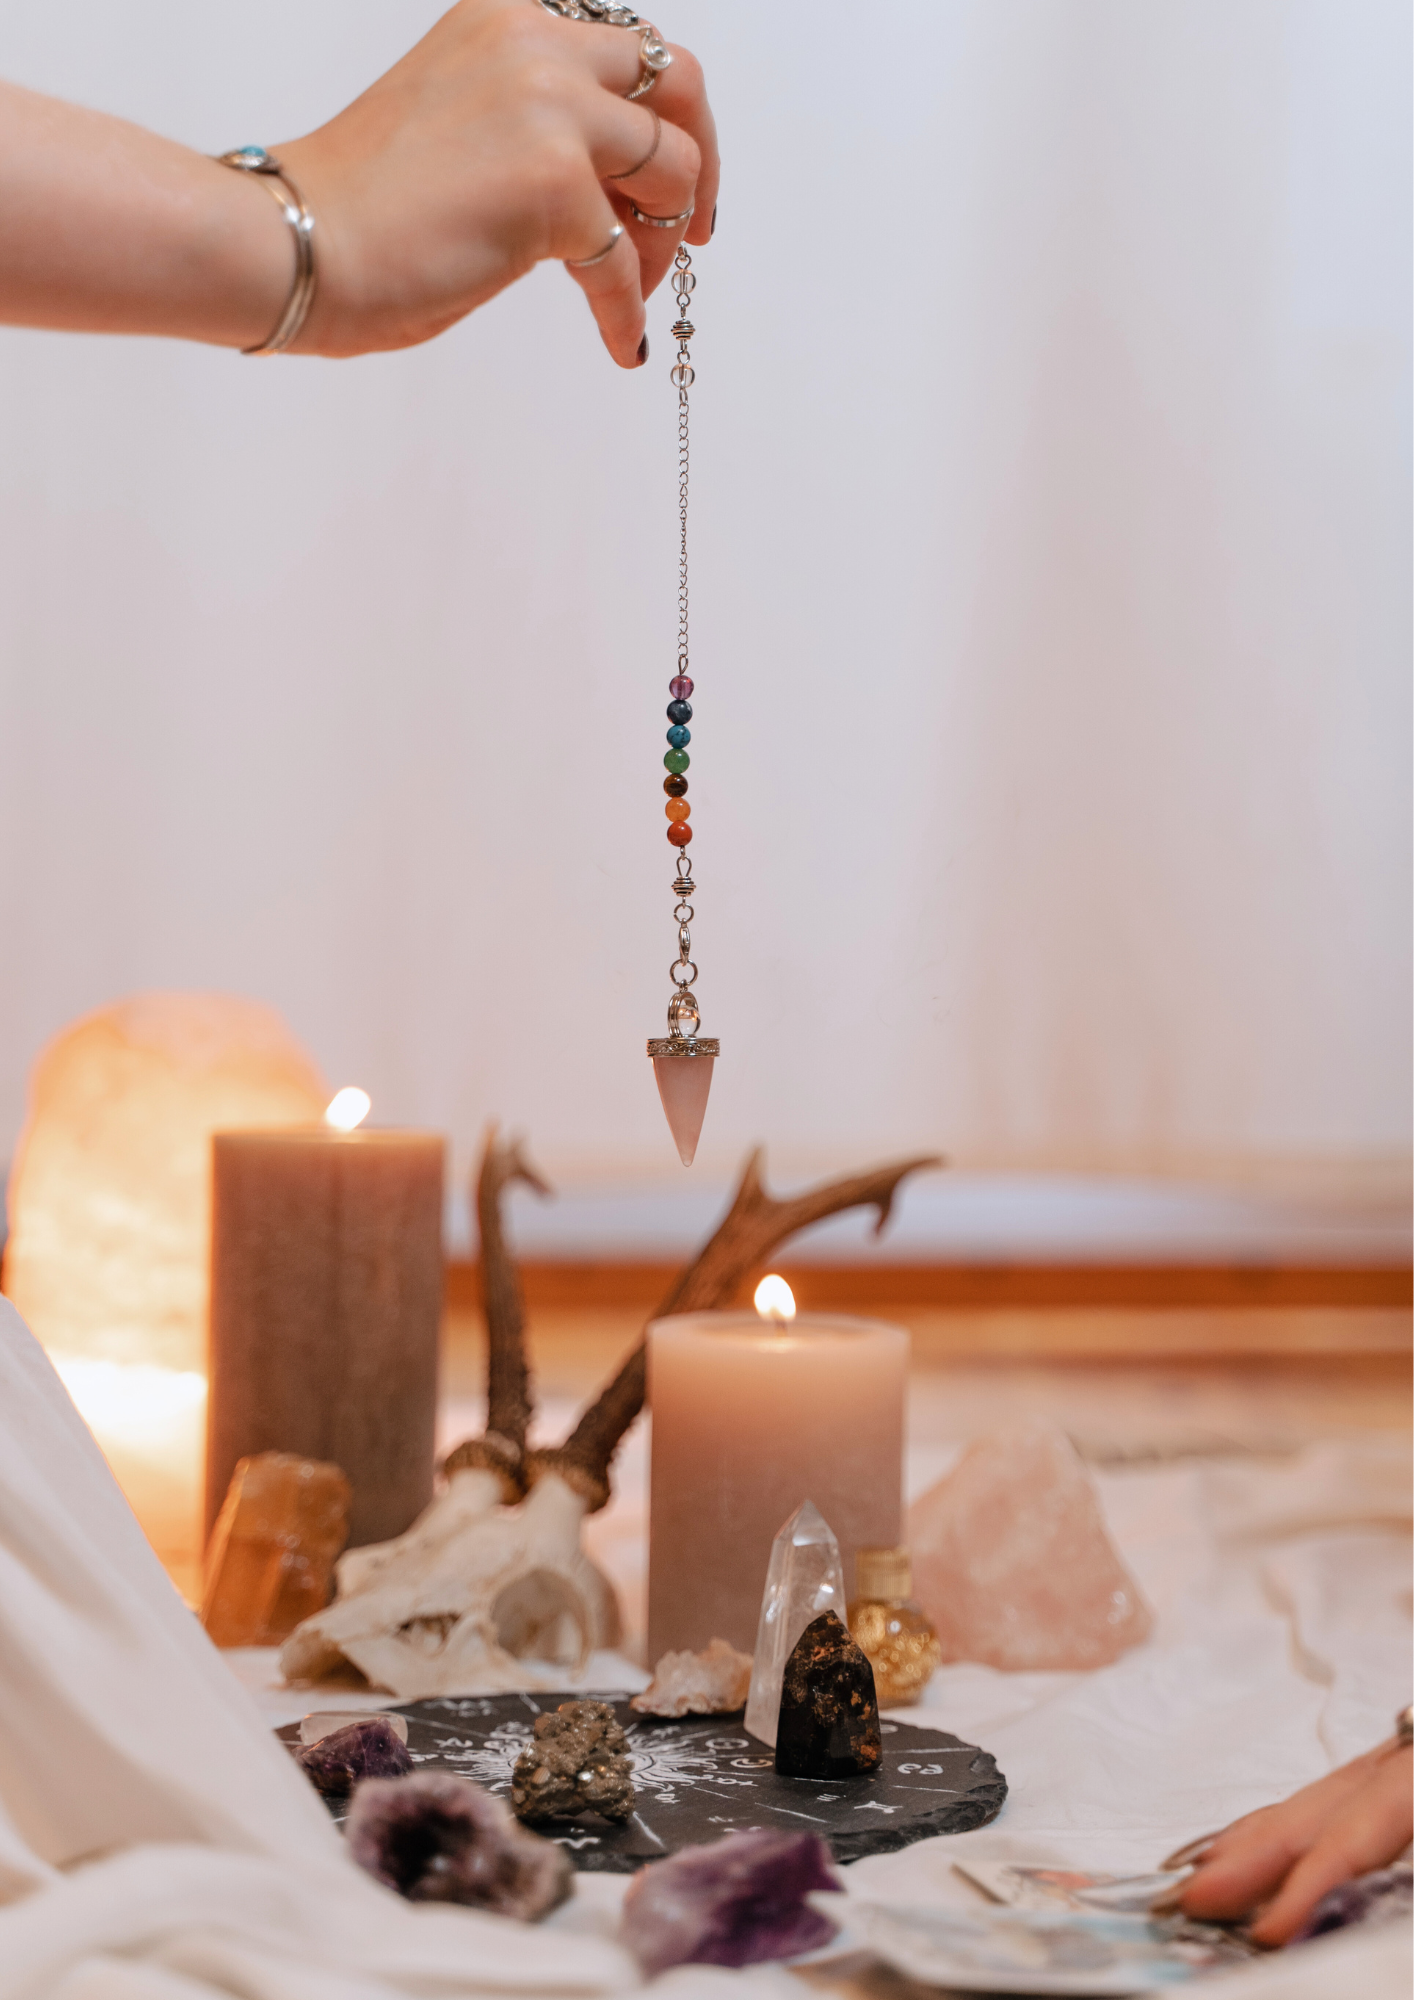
point(578, 1763)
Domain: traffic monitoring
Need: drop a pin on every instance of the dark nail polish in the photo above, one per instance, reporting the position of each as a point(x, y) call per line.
point(713, 230)
point(643, 350)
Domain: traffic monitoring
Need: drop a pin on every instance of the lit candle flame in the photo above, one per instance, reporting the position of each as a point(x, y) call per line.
point(775, 1300)
point(347, 1108)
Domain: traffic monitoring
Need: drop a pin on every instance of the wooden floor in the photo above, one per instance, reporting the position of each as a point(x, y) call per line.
point(1123, 1383)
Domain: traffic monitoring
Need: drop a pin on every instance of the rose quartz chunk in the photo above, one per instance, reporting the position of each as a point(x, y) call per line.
point(683, 1084)
point(1012, 1562)
point(712, 1682)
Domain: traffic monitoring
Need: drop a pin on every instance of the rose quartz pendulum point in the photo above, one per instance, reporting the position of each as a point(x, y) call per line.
point(683, 1084)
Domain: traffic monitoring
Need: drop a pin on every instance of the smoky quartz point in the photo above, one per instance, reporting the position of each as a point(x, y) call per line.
point(829, 1720)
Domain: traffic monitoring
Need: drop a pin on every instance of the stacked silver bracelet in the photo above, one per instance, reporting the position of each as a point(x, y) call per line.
point(255, 160)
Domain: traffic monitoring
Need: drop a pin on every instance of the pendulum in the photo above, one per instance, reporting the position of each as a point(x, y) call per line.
point(682, 1059)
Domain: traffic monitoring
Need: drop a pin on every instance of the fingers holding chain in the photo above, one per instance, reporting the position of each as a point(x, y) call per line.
point(672, 166)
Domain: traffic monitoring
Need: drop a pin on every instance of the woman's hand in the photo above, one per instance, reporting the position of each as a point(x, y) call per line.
point(492, 145)
point(1284, 1858)
point(503, 138)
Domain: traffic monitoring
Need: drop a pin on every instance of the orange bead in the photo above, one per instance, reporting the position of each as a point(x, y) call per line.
point(678, 808)
point(680, 833)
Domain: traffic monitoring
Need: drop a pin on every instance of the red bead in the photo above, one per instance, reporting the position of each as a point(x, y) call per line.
point(679, 833)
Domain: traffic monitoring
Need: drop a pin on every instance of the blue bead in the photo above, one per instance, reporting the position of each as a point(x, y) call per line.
point(679, 738)
point(679, 711)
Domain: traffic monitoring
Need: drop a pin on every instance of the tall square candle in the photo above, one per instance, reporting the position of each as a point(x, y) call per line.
point(750, 1417)
point(326, 1304)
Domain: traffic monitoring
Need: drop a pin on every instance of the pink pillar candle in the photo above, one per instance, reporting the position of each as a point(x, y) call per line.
point(749, 1419)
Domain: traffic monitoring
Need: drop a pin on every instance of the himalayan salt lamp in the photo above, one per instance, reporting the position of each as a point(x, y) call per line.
point(1012, 1561)
point(109, 1223)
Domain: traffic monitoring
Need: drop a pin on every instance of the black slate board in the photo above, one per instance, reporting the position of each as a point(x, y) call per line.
point(704, 1776)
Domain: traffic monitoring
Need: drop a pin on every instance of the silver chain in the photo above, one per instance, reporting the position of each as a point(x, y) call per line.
point(682, 1009)
point(683, 377)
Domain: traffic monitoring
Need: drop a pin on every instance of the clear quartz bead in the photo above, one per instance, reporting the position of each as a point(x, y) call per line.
point(684, 1014)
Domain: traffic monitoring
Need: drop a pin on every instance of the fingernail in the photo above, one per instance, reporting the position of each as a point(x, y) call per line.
point(1193, 1851)
point(1168, 1899)
point(643, 350)
point(713, 230)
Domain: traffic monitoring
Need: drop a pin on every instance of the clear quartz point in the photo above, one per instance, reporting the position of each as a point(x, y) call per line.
point(805, 1578)
point(683, 1084)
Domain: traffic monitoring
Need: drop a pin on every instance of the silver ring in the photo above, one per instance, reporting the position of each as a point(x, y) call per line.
point(660, 221)
point(656, 56)
point(583, 263)
point(629, 172)
point(653, 51)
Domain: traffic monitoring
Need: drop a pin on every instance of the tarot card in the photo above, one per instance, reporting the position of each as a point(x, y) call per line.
point(1001, 1950)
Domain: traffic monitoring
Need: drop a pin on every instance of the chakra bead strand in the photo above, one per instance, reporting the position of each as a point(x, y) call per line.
point(679, 736)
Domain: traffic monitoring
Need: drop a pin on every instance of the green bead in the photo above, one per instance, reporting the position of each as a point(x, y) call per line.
point(676, 760)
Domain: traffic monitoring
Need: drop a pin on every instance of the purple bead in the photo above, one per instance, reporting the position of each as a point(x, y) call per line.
point(680, 687)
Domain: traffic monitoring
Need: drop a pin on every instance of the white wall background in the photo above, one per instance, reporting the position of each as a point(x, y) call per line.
point(1051, 760)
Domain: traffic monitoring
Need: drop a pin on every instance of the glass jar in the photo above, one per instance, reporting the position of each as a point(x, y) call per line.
point(891, 1630)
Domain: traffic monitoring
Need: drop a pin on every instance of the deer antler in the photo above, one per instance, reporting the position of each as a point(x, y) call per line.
point(508, 1404)
point(754, 1225)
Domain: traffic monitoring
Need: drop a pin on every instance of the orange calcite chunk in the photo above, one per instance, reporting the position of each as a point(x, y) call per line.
point(270, 1561)
point(1012, 1561)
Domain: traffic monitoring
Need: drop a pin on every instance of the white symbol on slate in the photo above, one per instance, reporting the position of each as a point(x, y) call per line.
point(874, 1806)
point(578, 1840)
point(828, 1798)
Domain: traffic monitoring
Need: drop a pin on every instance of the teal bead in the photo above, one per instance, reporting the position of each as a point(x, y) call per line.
point(679, 737)
point(676, 760)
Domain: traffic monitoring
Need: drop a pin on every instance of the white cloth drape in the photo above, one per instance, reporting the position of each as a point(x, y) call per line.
point(155, 1840)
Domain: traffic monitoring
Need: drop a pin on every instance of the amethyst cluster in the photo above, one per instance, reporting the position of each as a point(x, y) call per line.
point(371, 1748)
point(739, 1901)
point(439, 1839)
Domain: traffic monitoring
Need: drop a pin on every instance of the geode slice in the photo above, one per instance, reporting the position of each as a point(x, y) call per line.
point(738, 1901)
point(368, 1749)
point(829, 1725)
point(578, 1763)
point(443, 1840)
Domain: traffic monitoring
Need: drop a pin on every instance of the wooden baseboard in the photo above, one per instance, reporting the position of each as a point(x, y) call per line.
point(878, 1288)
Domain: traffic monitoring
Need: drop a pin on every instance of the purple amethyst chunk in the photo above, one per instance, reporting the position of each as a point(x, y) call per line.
point(1377, 1898)
point(440, 1839)
point(368, 1749)
point(739, 1901)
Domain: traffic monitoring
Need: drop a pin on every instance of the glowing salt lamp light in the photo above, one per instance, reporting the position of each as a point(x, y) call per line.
point(110, 1223)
